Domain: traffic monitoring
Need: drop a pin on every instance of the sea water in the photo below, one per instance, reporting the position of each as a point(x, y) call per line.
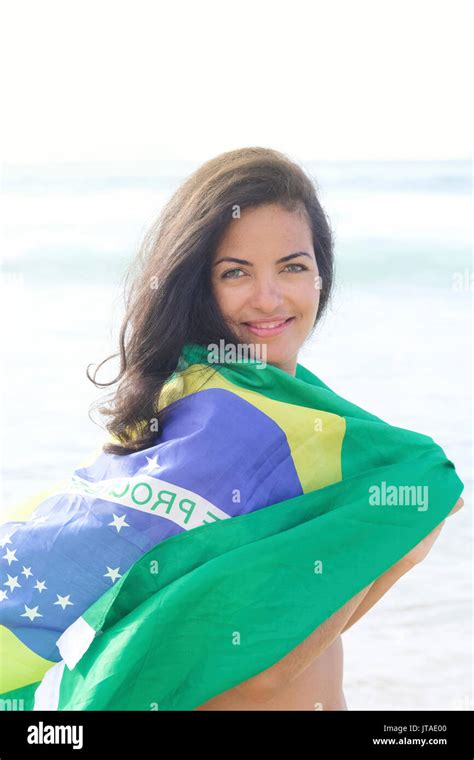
point(396, 340)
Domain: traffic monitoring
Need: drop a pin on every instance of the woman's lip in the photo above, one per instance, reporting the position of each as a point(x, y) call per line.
point(262, 331)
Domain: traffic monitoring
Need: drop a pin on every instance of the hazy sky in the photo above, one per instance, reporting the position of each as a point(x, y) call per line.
point(366, 79)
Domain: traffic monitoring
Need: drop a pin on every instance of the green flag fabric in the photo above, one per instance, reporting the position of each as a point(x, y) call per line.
point(175, 573)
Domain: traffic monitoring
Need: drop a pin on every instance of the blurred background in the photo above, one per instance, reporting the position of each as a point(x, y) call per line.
point(111, 107)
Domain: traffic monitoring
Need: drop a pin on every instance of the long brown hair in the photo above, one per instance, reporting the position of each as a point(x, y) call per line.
point(170, 301)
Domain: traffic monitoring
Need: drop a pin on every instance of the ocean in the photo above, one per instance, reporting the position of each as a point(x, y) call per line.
point(396, 340)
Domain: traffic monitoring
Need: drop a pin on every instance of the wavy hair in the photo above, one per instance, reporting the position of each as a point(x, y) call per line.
point(168, 295)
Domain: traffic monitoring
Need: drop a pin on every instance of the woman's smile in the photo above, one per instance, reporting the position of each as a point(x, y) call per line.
point(275, 278)
point(268, 328)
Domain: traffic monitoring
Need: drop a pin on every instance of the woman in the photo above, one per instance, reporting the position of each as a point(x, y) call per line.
point(242, 255)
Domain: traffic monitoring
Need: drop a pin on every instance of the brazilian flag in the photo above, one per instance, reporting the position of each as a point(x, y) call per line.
point(160, 579)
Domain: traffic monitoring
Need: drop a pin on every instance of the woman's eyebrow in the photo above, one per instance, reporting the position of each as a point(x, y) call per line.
point(249, 263)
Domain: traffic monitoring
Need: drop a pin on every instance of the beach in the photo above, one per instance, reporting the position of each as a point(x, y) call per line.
point(396, 340)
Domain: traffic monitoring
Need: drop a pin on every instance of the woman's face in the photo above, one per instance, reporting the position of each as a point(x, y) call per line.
point(254, 286)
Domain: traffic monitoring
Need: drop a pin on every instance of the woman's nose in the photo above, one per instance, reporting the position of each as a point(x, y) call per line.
point(266, 296)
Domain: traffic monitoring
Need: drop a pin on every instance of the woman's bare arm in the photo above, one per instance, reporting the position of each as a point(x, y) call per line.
point(378, 589)
point(266, 684)
point(393, 574)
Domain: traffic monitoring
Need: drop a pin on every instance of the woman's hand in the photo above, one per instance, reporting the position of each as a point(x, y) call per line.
point(420, 551)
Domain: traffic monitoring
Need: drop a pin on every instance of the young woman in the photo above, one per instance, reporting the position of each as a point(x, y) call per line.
point(241, 254)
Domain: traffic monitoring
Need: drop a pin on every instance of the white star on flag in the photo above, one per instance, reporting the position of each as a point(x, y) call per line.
point(113, 574)
point(119, 522)
point(26, 571)
point(40, 585)
point(39, 519)
point(152, 464)
point(63, 601)
point(5, 539)
point(10, 556)
point(3, 595)
point(31, 612)
point(12, 582)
